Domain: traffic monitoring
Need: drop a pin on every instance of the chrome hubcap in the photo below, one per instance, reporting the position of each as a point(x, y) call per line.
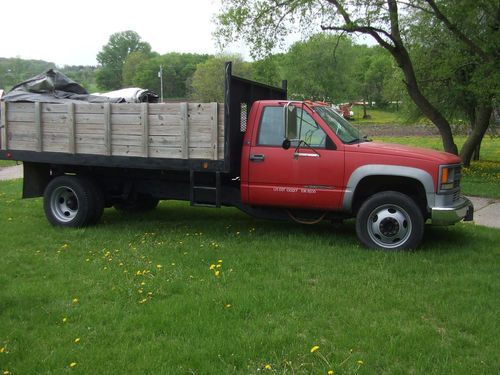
point(389, 226)
point(64, 204)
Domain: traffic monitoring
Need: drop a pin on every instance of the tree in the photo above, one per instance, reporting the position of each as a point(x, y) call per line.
point(113, 56)
point(208, 80)
point(266, 23)
point(178, 68)
point(268, 70)
point(322, 68)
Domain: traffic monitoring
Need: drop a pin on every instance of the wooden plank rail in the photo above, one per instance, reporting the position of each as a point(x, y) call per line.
point(165, 130)
point(4, 124)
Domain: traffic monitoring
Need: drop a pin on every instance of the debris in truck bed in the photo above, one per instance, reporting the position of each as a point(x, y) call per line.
point(54, 87)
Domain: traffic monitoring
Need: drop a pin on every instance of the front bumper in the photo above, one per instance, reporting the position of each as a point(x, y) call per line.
point(462, 209)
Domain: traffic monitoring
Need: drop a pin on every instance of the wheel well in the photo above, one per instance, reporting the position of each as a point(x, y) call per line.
point(374, 184)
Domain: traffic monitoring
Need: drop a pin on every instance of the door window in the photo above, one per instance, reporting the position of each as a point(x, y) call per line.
point(271, 130)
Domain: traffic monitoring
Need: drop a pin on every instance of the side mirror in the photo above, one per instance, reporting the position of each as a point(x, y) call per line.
point(286, 144)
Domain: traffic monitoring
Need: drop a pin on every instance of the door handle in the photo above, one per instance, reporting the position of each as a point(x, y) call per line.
point(256, 157)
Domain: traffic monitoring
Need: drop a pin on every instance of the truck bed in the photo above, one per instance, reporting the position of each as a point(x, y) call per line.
point(144, 130)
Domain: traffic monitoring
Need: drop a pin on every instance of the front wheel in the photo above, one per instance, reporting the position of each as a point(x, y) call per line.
point(390, 221)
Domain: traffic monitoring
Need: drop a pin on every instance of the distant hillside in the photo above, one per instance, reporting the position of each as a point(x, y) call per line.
point(16, 70)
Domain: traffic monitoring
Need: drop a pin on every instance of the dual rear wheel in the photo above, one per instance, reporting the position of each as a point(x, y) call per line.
point(77, 201)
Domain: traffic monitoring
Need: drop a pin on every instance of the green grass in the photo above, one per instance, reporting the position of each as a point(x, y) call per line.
point(377, 117)
point(282, 289)
point(7, 163)
point(482, 178)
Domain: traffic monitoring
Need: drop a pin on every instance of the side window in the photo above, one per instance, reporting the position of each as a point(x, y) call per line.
point(310, 132)
point(271, 131)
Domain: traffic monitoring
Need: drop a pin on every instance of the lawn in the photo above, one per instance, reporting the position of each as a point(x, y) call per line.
point(202, 291)
point(7, 163)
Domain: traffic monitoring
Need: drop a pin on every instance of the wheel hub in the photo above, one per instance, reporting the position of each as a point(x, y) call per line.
point(389, 226)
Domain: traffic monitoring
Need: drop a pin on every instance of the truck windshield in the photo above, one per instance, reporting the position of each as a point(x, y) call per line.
point(341, 127)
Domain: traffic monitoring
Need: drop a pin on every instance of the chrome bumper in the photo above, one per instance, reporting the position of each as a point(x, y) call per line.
point(462, 209)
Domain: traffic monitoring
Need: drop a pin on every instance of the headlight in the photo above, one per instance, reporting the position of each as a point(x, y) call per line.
point(449, 177)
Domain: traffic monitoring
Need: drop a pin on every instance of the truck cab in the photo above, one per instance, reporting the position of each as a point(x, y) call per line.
point(305, 156)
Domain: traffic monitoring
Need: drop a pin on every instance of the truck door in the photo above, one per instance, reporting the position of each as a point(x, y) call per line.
point(310, 176)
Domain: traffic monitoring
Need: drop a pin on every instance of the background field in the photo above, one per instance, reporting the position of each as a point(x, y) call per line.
point(138, 296)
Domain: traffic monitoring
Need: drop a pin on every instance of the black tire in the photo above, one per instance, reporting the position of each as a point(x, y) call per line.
point(69, 201)
point(98, 197)
point(137, 204)
point(390, 220)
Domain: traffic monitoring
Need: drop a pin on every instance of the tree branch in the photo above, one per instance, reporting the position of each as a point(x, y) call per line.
point(351, 27)
point(473, 47)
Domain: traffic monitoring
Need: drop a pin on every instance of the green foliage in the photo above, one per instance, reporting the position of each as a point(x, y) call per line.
point(322, 68)
point(269, 70)
point(178, 68)
point(208, 80)
point(113, 56)
point(130, 67)
point(282, 290)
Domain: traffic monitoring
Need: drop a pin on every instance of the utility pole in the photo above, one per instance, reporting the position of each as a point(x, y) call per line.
point(160, 75)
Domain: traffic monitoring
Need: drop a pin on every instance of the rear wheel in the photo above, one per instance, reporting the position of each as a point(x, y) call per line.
point(69, 201)
point(390, 221)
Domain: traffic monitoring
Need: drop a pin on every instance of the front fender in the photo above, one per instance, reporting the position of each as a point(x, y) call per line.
point(387, 170)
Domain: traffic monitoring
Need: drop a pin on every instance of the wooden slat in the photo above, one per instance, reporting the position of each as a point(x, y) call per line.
point(38, 126)
point(174, 130)
point(184, 130)
point(4, 124)
point(215, 132)
point(71, 128)
point(107, 129)
point(145, 124)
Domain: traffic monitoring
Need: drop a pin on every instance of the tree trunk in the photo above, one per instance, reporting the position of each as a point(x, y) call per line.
point(404, 62)
point(481, 123)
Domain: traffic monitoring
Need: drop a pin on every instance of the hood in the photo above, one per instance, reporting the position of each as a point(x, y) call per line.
point(392, 149)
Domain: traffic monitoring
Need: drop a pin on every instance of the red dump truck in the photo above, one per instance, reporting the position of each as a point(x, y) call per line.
point(258, 151)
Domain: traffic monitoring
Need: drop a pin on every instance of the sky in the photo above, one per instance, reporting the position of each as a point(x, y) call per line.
point(72, 33)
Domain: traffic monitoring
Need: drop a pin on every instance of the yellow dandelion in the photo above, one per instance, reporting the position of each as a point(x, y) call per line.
point(158, 266)
point(6, 372)
point(314, 348)
point(64, 320)
point(212, 266)
point(219, 261)
point(267, 366)
point(217, 273)
point(2, 350)
point(330, 372)
point(143, 283)
point(144, 300)
point(77, 340)
point(228, 306)
point(72, 364)
point(74, 300)
point(360, 362)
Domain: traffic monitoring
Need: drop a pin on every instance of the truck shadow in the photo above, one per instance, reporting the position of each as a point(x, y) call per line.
point(171, 217)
